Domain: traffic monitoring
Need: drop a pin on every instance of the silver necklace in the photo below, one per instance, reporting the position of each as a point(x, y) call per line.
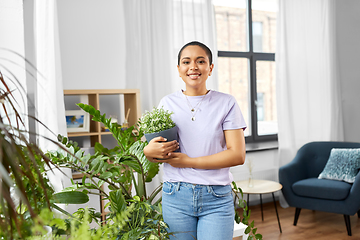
point(193, 110)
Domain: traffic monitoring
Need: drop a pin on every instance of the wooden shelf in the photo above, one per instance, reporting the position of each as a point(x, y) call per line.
point(77, 175)
point(105, 133)
point(131, 100)
point(81, 134)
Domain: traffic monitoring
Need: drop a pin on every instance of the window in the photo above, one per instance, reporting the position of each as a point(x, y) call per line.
point(246, 40)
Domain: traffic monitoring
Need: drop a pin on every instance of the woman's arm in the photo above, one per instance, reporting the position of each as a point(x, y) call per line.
point(234, 154)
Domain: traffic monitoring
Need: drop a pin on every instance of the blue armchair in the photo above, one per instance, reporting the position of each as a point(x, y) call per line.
point(303, 189)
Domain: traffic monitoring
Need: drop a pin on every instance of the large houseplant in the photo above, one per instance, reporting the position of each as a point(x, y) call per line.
point(122, 169)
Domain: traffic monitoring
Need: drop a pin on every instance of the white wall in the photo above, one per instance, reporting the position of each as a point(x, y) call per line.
point(348, 47)
point(92, 44)
point(265, 166)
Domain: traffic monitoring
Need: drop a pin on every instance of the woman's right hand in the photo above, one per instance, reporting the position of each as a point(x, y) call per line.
point(159, 148)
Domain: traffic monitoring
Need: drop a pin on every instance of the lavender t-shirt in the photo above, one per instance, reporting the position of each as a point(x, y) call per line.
point(215, 113)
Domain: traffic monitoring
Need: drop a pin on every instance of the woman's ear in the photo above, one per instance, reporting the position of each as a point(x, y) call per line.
point(211, 68)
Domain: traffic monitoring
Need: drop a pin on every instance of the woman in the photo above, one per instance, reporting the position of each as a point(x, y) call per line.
point(197, 200)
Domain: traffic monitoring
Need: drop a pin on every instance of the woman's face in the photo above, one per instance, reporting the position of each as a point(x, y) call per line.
point(194, 67)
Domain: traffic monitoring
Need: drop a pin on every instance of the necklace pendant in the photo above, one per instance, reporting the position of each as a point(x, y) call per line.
point(192, 110)
point(193, 119)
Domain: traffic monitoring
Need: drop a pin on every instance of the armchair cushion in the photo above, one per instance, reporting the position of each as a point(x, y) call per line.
point(322, 188)
point(343, 165)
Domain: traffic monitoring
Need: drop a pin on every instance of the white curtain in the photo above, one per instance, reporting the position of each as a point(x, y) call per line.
point(155, 32)
point(50, 107)
point(147, 30)
point(12, 52)
point(193, 20)
point(308, 92)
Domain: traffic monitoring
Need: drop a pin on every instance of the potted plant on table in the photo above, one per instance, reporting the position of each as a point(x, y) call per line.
point(157, 123)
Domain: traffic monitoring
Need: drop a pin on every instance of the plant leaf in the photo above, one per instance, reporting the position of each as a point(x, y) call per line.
point(105, 175)
point(117, 200)
point(71, 197)
point(247, 230)
point(150, 169)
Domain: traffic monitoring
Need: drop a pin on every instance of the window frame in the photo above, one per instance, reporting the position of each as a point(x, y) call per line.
point(252, 57)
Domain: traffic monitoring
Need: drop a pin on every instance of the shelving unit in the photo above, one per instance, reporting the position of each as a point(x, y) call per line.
point(126, 99)
point(131, 98)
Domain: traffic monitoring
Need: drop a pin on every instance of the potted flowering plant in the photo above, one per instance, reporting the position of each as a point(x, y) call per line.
point(157, 123)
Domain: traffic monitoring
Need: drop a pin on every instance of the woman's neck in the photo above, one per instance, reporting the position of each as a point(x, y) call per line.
point(196, 92)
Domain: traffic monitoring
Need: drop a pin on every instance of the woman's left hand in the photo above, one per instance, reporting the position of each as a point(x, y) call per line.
point(179, 160)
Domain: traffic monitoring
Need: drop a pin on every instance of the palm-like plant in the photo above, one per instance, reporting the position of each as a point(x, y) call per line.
point(18, 156)
point(24, 188)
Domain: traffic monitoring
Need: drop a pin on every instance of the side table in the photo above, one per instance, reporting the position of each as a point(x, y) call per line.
point(261, 187)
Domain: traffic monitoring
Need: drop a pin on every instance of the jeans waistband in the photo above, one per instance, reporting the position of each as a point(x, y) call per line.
point(191, 185)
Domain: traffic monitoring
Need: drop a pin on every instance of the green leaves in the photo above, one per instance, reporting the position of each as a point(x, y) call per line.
point(91, 110)
point(124, 137)
point(120, 168)
point(251, 230)
point(150, 169)
point(155, 121)
point(146, 221)
point(118, 203)
point(25, 165)
point(106, 175)
point(129, 152)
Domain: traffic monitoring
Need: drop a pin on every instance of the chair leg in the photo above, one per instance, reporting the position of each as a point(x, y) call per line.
point(297, 214)
point(348, 224)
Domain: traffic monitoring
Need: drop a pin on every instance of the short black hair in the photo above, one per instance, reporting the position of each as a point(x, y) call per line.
point(196, 43)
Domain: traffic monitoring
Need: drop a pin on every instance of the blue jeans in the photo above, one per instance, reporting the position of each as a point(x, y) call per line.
point(198, 211)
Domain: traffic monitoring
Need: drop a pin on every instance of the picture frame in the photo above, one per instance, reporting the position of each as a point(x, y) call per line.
point(77, 121)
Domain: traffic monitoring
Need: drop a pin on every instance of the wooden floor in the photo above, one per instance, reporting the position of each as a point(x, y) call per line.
point(311, 224)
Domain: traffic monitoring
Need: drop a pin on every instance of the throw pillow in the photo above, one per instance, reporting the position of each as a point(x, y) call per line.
point(343, 165)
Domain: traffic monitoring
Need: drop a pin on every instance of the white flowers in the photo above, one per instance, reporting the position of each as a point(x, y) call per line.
point(155, 121)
